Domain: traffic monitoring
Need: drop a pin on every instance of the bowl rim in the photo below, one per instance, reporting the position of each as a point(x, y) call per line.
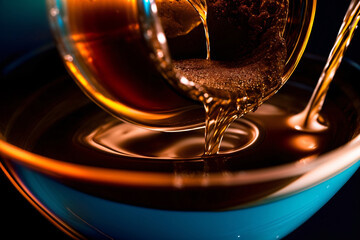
point(336, 161)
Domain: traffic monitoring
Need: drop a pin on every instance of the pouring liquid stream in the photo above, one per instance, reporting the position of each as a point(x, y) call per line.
point(228, 88)
point(201, 8)
point(218, 119)
point(309, 119)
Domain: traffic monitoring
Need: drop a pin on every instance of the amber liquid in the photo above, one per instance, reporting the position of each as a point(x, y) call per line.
point(245, 70)
point(201, 7)
point(109, 42)
point(109, 59)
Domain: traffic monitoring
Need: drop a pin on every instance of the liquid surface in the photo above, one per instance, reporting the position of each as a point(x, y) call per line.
point(56, 120)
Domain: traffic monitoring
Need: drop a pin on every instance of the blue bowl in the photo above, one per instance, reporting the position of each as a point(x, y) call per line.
point(98, 218)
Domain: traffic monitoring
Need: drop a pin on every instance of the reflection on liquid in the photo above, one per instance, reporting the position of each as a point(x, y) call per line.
point(262, 139)
point(124, 139)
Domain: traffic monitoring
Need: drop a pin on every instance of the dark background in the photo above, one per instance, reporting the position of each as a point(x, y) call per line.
point(338, 219)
